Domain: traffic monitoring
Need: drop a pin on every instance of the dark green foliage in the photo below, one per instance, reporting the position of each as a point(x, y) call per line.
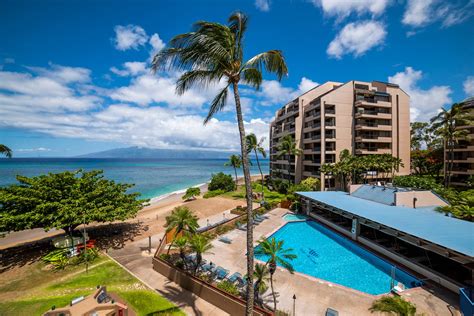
point(228, 287)
point(418, 182)
point(221, 181)
point(462, 205)
point(191, 193)
point(211, 194)
point(64, 201)
point(393, 305)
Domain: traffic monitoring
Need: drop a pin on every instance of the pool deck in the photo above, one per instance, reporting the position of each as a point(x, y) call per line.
point(313, 295)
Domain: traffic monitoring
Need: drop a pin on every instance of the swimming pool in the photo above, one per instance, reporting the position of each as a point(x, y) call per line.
point(294, 217)
point(326, 255)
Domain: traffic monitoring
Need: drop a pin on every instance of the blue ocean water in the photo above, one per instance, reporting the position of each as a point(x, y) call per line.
point(152, 177)
point(323, 254)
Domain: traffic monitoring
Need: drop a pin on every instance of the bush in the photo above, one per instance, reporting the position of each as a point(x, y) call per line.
point(165, 256)
point(418, 182)
point(191, 193)
point(221, 181)
point(57, 258)
point(211, 194)
point(228, 287)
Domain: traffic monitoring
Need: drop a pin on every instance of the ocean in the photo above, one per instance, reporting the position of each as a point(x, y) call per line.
point(153, 178)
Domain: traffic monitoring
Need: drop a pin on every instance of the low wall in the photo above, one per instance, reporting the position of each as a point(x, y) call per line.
point(423, 198)
point(232, 305)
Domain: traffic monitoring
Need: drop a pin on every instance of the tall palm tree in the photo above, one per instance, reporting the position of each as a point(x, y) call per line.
point(261, 277)
point(199, 244)
point(181, 243)
point(4, 150)
point(256, 146)
point(287, 147)
point(214, 53)
point(449, 125)
point(180, 220)
point(393, 305)
point(276, 254)
point(235, 161)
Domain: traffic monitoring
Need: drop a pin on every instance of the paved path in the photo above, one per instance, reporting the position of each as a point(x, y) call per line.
point(138, 261)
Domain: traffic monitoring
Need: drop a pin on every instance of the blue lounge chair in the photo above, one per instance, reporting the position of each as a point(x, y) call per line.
point(226, 240)
point(331, 312)
point(241, 227)
point(242, 282)
point(221, 273)
point(208, 267)
point(259, 218)
point(235, 277)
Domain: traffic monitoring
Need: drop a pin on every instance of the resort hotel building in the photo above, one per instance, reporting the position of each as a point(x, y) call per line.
point(463, 153)
point(363, 117)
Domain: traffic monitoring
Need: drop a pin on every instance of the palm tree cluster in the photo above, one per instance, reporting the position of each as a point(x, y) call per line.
point(356, 169)
point(213, 53)
point(287, 148)
point(255, 145)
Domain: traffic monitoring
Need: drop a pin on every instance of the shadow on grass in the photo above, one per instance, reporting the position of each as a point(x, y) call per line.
point(107, 236)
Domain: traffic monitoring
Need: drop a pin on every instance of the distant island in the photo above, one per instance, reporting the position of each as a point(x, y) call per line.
point(140, 152)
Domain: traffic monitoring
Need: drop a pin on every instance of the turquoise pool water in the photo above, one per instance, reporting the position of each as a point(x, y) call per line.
point(326, 255)
point(294, 217)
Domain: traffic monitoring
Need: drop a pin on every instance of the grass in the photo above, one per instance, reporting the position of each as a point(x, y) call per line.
point(270, 196)
point(38, 289)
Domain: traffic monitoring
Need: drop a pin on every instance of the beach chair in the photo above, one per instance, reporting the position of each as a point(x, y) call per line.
point(225, 240)
point(221, 273)
point(241, 227)
point(208, 267)
point(235, 277)
point(399, 288)
point(331, 312)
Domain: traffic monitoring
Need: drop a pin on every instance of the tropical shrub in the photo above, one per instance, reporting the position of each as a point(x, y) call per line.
point(58, 258)
point(228, 287)
point(211, 194)
point(462, 205)
point(191, 193)
point(418, 182)
point(393, 305)
point(221, 181)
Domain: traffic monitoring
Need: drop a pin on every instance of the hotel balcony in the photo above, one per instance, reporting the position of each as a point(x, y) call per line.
point(373, 139)
point(312, 127)
point(372, 127)
point(365, 103)
point(373, 115)
point(467, 148)
point(373, 151)
point(313, 174)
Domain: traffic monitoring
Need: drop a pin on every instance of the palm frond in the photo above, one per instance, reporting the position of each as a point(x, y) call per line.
point(272, 61)
point(197, 79)
point(238, 25)
point(252, 77)
point(217, 104)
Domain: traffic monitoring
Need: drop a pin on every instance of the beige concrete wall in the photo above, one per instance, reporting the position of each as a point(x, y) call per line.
point(423, 198)
point(354, 187)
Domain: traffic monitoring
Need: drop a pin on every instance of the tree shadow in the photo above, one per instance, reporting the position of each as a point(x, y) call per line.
point(180, 297)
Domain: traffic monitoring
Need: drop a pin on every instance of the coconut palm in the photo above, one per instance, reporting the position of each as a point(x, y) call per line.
point(199, 244)
point(256, 146)
point(393, 305)
point(287, 147)
point(276, 254)
point(235, 161)
point(181, 244)
point(452, 125)
point(261, 277)
point(180, 220)
point(213, 53)
point(4, 150)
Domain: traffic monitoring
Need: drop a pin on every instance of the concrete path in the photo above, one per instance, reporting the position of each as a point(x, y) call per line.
point(136, 258)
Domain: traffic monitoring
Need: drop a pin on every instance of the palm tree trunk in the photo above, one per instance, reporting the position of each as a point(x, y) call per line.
point(289, 170)
point(261, 174)
point(451, 163)
point(236, 179)
point(248, 191)
point(273, 294)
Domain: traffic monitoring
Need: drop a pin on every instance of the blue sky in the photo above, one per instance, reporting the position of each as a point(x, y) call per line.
point(74, 75)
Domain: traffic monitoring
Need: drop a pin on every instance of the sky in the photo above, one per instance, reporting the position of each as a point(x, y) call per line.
point(75, 75)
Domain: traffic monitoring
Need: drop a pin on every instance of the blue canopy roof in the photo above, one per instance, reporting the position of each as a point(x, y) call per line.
point(425, 223)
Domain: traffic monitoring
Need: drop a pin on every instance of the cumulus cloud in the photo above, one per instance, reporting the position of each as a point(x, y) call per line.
point(131, 68)
point(157, 44)
point(306, 85)
point(63, 74)
point(357, 38)
point(38, 149)
point(343, 8)
point(468, 86)
point(263, 5)
point(425, 103)
point(421, 13)
point(129, 36)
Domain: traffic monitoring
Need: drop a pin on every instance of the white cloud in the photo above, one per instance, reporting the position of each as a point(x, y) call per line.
point(131, 68)
point(130, 36)
point(357, 38)
point(419, 13)
point(157, 44)
point(63, 74)
point(343, 8)
point(425, 103)
point(468, 86)
point(263, 5)
point(306, 85)
point(40, 149)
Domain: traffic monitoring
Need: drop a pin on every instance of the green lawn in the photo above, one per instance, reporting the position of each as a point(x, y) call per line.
point(38, 289)
point(270, 196)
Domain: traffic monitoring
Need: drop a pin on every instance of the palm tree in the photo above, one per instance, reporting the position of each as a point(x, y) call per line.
point(452, 126)
point(276, 254)
point(393, 304)
point(213, 53)
point(4, 150)
point(235, 161)
point(287, 146)
point(180, 220)
point(199, 244)
point(261, 277)
point(181, 243)
point(256, 146)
